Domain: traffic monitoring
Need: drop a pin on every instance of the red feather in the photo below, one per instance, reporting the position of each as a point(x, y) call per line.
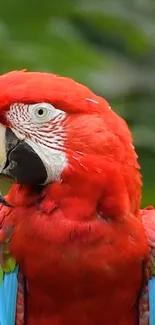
point(80, 242)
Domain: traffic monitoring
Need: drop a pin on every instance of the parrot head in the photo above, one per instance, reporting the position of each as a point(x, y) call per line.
point(53, 129)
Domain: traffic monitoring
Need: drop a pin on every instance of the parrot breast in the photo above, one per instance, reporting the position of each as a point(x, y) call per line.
point(77, 272)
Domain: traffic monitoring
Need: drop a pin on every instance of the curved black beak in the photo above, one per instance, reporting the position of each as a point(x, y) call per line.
point(21, 164)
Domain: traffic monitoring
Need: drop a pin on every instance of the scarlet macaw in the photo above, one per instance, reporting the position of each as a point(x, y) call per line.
point(72, 219)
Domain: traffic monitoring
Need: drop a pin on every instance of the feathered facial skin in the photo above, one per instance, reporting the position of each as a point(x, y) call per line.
point(58, 129)
point(77, 236)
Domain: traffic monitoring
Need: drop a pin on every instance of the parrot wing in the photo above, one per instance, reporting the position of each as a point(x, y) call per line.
point(147, 298)
point(148, 219)
point(11, 280)
point(7, 263)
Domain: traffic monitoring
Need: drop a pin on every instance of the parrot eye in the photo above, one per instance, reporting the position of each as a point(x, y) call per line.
point(42, 112)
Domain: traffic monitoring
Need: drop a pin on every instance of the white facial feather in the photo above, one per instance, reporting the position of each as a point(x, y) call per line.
point(40, 126)
point(3, 157)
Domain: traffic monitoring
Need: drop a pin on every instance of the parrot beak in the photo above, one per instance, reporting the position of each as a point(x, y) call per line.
point(7, 143)
point(3, 157)
point(18, 161)
point(3, 201)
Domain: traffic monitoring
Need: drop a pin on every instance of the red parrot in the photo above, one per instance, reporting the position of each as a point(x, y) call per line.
point(73, 216)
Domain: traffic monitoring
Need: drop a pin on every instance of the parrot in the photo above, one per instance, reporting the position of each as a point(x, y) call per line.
point(71, 219)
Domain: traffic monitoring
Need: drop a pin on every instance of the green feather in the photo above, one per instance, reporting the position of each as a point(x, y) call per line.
point(153, 266)
point(1, 275)
point(10, 265)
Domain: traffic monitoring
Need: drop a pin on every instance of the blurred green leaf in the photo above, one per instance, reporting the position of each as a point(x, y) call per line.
point(108, 47)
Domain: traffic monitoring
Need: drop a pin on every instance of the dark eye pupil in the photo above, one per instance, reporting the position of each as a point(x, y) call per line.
point(40, 111)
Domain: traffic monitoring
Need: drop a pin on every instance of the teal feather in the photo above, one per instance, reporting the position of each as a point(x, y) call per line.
point(3, 320)
point(152, 300)
point(8, 298)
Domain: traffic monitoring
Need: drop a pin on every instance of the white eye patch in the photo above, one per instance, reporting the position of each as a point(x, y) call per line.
point(21, 114)
point(40, 126)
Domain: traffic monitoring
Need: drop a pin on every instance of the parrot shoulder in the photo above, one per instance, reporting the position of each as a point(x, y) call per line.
point(7, 262)
point(148, 219)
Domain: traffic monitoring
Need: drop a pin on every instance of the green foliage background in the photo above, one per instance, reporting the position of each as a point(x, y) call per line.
point(107, 44)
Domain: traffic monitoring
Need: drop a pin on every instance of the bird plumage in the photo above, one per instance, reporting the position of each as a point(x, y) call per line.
point(79, 238)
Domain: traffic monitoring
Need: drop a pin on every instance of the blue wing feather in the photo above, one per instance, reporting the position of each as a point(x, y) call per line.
point(152, 300)
point(8, 298)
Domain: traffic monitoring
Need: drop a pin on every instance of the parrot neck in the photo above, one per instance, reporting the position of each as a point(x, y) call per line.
point(103, 194)
point(64, 195)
